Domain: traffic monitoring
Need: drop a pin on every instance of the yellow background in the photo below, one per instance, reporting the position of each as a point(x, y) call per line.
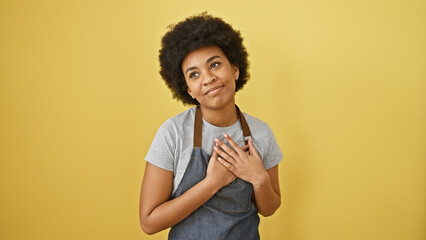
point(341, 83)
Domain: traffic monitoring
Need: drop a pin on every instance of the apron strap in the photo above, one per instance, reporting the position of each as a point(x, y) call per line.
point(199, 124)
point(198, 127)
point(244, 126)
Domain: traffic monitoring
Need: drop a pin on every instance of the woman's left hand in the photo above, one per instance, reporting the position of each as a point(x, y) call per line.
point(245, 165)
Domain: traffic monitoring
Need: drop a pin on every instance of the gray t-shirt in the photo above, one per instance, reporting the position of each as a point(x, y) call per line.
point(173, 143)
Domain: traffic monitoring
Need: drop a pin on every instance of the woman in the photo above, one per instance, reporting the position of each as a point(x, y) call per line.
point(205, 176)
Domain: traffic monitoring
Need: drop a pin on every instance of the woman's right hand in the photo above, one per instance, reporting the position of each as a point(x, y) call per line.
point(218, 173)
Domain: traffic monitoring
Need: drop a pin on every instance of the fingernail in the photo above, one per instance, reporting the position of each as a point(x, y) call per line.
point(215, 148)
point(216, 140)
point(225, 135)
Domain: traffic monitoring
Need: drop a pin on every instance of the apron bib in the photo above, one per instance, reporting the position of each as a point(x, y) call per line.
point(231, 213)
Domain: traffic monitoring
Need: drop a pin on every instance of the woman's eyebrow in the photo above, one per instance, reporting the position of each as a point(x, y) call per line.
point(212, 58)
point(190, 68)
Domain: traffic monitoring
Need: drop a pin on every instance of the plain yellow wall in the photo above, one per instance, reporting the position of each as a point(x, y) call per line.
point(341, 83)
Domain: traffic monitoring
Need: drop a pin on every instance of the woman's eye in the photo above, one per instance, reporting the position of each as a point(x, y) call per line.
point(215, 64)
point(193, 74)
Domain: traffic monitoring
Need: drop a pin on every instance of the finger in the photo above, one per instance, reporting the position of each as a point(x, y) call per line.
point(229, 166)
point(224, 155)
point(233, 144)
point(252, 149)
point(225, 148)
point(245, 148)
point(214, 155)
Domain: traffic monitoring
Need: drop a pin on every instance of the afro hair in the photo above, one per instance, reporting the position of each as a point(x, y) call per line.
point(192, 33)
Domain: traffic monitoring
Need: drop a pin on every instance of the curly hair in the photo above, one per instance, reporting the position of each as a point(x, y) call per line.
point(192, 33)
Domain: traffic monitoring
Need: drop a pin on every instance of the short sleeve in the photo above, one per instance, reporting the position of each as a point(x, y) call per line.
point(161, 151)
point(273, 155)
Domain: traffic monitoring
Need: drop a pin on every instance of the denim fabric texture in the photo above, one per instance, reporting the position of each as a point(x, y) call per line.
point(230, 214)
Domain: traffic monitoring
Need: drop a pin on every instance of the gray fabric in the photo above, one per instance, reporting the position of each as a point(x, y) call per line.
point(173, 143)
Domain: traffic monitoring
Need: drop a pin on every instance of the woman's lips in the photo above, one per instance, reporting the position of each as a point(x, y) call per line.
point(213, 91)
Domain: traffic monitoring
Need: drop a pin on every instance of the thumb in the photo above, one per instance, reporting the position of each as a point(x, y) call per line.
point(252, 149)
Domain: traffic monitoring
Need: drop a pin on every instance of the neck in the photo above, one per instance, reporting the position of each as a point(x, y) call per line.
point(222, 117)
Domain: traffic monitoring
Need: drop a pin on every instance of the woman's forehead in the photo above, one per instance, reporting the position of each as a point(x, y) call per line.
point(202, 55)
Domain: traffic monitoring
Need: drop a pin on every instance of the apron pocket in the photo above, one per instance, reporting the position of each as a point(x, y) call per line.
point(233, 198)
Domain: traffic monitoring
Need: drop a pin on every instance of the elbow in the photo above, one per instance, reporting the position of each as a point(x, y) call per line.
point(271, 211)
point(146, 228)
point(267, 213)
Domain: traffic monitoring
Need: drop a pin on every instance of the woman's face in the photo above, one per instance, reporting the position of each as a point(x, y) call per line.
point(210, 77)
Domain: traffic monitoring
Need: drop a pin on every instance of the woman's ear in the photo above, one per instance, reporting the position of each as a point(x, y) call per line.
point(189, 92)
point(236, 72)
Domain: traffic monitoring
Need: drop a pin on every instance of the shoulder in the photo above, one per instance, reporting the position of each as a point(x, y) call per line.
point(257, 126)
point(183, 117)
point(255, 121)
point(179, 121)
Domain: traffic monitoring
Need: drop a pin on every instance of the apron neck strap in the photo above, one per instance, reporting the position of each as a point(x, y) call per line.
point(199, 124)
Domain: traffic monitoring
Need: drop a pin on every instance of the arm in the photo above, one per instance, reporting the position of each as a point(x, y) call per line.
point(249, 167)
point(157, 212)
point(267, 194)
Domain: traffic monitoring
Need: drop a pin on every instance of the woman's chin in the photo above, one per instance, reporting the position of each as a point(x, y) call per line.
point(218, 103)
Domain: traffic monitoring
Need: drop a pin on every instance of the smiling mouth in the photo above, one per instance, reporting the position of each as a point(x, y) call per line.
point(213, 90)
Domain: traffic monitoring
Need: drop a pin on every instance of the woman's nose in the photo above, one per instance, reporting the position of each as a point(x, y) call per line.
point(209, 78)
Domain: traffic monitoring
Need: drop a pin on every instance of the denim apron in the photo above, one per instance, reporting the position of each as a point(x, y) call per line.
point(231, 213)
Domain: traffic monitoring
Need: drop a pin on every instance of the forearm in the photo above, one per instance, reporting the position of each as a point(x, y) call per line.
point(266, 199)
point(173, 211)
